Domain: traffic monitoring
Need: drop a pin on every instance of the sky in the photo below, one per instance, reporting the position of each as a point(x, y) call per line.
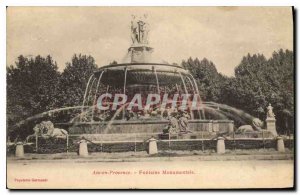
point(221, 34)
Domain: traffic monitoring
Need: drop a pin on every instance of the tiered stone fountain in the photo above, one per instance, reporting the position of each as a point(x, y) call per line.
point(139, 74)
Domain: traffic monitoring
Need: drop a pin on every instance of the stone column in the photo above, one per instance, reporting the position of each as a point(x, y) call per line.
point(152, 146)
point(280, 144)
point(19, 149)
point(221, 145)
point(83, 150)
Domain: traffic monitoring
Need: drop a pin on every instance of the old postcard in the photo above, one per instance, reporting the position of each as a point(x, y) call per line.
point(150, 97)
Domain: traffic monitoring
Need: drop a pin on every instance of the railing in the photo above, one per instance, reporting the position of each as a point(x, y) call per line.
point(70, 144)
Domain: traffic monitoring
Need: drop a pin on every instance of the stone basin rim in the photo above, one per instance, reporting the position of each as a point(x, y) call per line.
point(143, 122)
point(136, 64)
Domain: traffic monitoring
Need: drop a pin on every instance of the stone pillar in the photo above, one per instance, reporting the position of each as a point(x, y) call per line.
point(221, 145)
point(152, 146)
point(280, 144)
point(19, 149)
point(83, 150)
point(271, 125)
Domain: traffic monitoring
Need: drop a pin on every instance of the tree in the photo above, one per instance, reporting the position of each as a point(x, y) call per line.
point(259, 81)
point(208, 79)
point(246, 90)
point(74, 79)
point(31, 87)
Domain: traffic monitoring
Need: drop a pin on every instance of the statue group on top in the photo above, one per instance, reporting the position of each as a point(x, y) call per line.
point(139, 29)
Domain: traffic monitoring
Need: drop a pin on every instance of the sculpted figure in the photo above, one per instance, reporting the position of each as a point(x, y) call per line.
point(139, 29)
point(134, 30)
point(255, 126)
point(244, 128)
point(173, 125)
point(183, 122)
point(58, 133)
point(46, 129)
point(270, 113)
point(144, 30)
point(145, 33)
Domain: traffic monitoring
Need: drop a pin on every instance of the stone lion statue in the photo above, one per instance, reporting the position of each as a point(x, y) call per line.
point(256, 125)
point(46, 129)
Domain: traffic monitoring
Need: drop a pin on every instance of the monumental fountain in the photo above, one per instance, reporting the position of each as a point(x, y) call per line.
point(111, 111)
point(140, 98)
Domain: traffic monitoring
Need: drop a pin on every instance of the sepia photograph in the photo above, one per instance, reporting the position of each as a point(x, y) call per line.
point(150, 97)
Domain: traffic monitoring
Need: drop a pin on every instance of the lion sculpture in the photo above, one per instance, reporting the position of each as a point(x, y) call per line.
point(46, 129)
point(255, 126)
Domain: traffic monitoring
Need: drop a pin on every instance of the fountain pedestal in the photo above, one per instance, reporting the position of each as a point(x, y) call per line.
point(271, 125)
point(140, 53)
